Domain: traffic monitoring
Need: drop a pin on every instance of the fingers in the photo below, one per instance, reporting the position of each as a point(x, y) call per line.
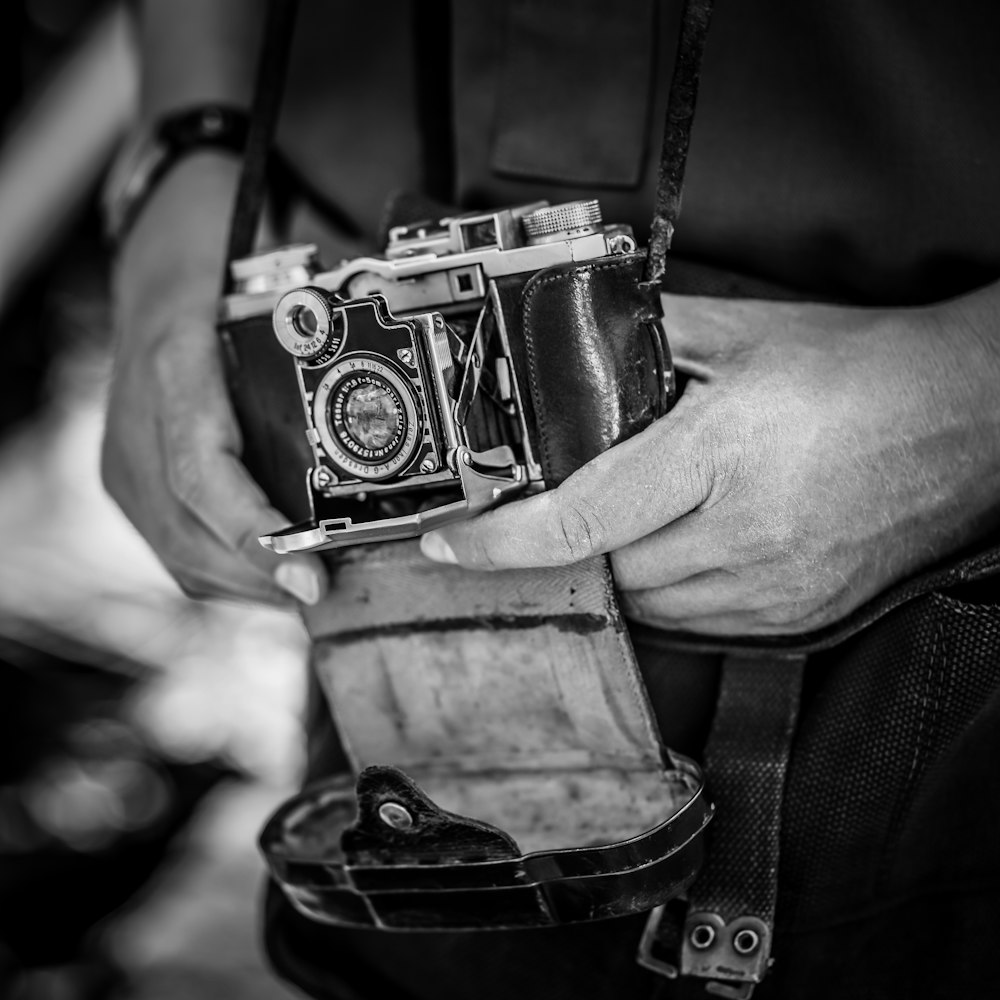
point(681, 550)
point(170, 461)
point(199, 440)
point(715, 593)
point(235, 514)
point(736, 625)
point(227, 512)
point(203, 563)
point(753, 600)
point(620, 496)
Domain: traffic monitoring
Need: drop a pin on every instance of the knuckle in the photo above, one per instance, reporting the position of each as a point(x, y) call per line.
point(186, 479)
point(162, 357)
point(188, 464)
point(701, 471)
point(481, 554)
point(733, 453)
point(581, 531)
point(726, 449)
point(635, 604)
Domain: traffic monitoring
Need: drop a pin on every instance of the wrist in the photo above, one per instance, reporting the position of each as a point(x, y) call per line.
point(963, 337)
point(955, 366)
point(175, 253)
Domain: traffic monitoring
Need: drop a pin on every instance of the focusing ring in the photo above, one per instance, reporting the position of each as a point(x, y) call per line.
point(337, 444)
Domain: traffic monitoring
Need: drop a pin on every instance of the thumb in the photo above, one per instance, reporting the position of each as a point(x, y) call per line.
point(620, 496)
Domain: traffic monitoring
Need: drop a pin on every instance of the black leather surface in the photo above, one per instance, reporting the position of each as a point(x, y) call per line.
point(268, 404)
point(593, 371)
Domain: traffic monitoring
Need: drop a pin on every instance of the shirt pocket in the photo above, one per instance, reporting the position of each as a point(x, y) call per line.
point(576, 86)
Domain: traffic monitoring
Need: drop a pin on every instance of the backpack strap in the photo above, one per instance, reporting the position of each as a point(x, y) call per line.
point(724, 933)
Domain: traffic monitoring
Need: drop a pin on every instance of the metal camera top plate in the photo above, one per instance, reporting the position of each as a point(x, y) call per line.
point(449, 272)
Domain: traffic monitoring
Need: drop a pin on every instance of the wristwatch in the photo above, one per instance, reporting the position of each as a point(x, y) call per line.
point(149, 154)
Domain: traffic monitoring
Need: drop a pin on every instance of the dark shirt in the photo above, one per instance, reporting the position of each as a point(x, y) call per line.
point(846, 150)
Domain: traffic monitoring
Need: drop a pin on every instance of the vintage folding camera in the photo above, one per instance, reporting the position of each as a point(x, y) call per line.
point(468, 365)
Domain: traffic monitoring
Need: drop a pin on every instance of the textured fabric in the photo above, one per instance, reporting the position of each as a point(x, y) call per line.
point(543, 140)
point(846, 149)
point(890, 880)
point(746, 761)
point(880, 751)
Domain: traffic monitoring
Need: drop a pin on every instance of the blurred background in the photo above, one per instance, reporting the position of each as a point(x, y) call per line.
point(143, 736)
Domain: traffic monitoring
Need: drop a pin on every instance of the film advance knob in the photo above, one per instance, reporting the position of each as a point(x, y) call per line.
point(562, 222)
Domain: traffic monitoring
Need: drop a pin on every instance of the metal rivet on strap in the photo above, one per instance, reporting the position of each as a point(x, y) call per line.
point(395, 815)
point(746, 941)
point(702, 936)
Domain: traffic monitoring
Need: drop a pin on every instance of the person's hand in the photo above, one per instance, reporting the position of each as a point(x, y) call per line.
point(817, 455)
point(172, 445)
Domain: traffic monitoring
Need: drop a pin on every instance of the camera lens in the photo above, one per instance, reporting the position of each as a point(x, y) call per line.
point(304, 322)
point(367, 417)
point(372, 417)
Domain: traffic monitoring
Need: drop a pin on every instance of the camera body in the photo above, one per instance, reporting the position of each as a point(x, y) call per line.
point(420, 390)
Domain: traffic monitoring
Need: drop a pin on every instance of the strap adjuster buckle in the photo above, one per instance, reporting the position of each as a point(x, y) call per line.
point(731, 957)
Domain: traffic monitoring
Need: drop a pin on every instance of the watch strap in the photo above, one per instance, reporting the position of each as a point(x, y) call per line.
point(149, 155)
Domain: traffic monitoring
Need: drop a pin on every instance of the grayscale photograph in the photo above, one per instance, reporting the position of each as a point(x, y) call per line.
point(499, 499)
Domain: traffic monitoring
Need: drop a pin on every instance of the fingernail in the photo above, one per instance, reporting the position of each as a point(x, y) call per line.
point(298, 580)
point(435, 547)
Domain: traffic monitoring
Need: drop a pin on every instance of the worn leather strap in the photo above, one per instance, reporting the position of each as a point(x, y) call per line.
point(725, 935)
point(695, 20)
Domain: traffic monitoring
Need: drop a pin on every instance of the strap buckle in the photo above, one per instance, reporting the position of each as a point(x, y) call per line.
point(731, 957)
point(651, 942)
